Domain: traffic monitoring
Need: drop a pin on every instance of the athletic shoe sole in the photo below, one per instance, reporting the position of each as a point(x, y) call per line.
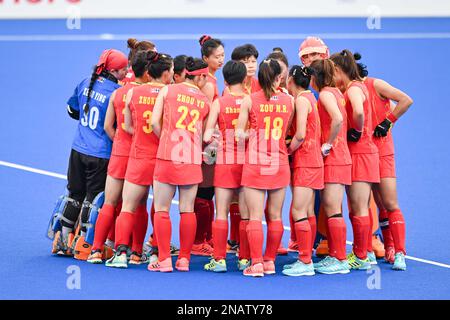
point(300, 274)
point(335, 272)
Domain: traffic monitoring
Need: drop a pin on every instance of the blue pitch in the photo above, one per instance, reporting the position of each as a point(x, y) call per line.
point(38, 77)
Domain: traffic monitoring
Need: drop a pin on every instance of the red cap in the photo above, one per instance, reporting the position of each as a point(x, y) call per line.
point(111, 59)
point(313, 44)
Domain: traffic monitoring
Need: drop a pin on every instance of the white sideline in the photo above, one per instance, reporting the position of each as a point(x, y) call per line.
point(61, 176)
point(226, 36)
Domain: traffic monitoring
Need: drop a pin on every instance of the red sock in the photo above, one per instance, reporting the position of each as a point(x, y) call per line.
point(385, 230)
point(292, 225)
point(337, 234)
point(163, 231)
point(140, 228)
point(112, 230)
point(369, 236)
point(188, 226)
point(274, 235)
point(244, 249)
point(104, 222)
point(303, 234)
point(154, 243)
point(201, 208)
point(124, 228)
point(361, 227)
point(210, 221)
point(397, 226)
point(255, 237)
point(220, 235)
point(235, 219)
point(313, 224)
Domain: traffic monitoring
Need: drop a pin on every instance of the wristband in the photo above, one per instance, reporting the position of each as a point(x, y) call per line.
point(391, 117)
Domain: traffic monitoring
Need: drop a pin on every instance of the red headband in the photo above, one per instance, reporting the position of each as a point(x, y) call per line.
point(111, 59)
point(197, 72)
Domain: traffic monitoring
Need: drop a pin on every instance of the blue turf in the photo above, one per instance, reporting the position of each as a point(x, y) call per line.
point(38, 77)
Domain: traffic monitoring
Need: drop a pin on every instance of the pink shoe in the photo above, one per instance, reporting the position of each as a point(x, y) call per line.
point(269, 267)
point(389, 255)
point(182, 264)
point(256, 270)
point(202, 249)
point(161, 266)
point(292, 246)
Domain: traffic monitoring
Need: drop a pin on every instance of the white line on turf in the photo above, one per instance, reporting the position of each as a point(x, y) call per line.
point(226, 36)
point(61, 176)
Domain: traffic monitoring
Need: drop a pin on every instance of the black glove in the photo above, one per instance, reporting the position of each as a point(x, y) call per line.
point(74, 114)
point(353, 135)
point(382, 129)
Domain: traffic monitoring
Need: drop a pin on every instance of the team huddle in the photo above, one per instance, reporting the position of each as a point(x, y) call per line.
point(150, 120)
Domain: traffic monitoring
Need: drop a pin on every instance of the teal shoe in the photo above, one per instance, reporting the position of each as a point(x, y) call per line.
point(372, 258)
point(399, 262)
point(119, 260)
point(334, 266)
point(322, 262)
point(290, 265)
point(356, 263)
point(243, 264)
point(216, 266)
point(299, 268)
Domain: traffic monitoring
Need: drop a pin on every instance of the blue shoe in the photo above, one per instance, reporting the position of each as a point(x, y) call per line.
point(299, 268)
point(356, 263)
point(399, 262)
point(334, 266)
point(372, 258)
point(322, 262)
point(216, 266)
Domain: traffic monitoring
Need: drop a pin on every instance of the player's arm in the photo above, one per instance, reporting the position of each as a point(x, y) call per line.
point(128, 122)
point(330, 104)
point(356, 97)
point(302, 109)
point(73, 107)
point(110, 118)
point(240, 133)
point(385, 90)
point(158, 111)
point(211, 122)
point(208, 90)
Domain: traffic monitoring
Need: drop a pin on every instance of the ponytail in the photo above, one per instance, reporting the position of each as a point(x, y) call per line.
point(157, 63)
point(301, 76)
point(94, 78)
point(208, 45)
point(346, 60)
point(134, 45)
point(268, 71)
point(323, 72)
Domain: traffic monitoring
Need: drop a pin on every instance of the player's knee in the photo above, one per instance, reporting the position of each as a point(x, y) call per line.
point(391, 205)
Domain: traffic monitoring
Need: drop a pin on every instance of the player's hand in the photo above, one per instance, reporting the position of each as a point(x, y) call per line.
point(353, 135)
point(326, 149)
point(383, 128)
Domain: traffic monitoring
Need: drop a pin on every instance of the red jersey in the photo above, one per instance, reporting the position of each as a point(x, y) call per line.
point(380, 109)
point(365, 143)
point(145, 142)
point(230, 107)
point(129, 77)
point(269, 123)
point(122, 139)
point(254, 86)
point(339, 154)
point(309, 154)
point(211, 79)
point(185, 110)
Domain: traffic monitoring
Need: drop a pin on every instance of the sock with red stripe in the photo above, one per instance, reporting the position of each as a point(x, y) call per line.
point(302, 230)
point(397, 226)
point(163, 231)
point(337, 233)
point(369, 235)
point(124, 228)
point(235, 219)
point(220, 234)
point(188, 226)
point(103, 225)
point(361, 226)
point(385, 230)
point(244, 249)
point(202, 212)
point(292, 225)
point(274, 235)
point(140, 228)
point(255, 237)
point(313, 223)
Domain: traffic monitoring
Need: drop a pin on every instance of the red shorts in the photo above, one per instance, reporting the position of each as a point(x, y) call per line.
point(266, 177)
point(117, 167)
point(387, 166)
point(341, 174)
point(228, 175)
point(308, 178)
point(181, 174)
point(366, 167)
point(140, 171)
